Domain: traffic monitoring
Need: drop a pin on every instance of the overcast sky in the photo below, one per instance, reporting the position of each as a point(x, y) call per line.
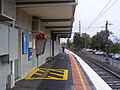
point(88, 10)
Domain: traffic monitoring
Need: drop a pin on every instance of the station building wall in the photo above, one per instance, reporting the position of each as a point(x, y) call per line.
point(7, 53)
point(4, 66)
point(22, 66)
point(57, 47)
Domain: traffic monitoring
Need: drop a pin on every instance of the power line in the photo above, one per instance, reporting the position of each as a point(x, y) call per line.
point(108, 8)
point(101, 13)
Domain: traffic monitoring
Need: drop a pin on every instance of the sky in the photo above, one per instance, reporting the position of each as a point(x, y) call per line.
point(86, 12)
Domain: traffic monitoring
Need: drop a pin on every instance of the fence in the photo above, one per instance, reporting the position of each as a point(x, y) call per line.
point(113, 62)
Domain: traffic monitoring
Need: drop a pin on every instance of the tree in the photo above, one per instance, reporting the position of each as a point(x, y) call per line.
point(76, 41)
point(85, 40)
point(69, 44)
point(115, 48)
point(99, 41)
point(82, 41)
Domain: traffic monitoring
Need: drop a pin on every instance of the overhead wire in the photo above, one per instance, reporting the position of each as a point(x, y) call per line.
point(108, 8)
point(99, 14)
point(102, 13)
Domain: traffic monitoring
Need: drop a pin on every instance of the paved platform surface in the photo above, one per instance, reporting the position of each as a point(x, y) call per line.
point(62, 73)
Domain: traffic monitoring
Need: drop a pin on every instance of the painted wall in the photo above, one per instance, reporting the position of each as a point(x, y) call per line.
point(4, 66)
point(57, 47)
point(5, 50)
point(27, 66)
point(4, 72)
point(22, 65)
point(23, 20)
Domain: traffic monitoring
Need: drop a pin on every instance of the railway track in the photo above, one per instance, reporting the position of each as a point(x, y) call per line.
point(110, 77)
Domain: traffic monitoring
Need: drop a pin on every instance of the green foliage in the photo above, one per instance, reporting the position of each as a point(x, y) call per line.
point(69, 44)
point(114, 48)
point(82, 41)
point(86, 40)
point(99, 41)
point(76, 41)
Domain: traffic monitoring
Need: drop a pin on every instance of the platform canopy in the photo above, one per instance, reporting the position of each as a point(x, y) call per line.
point(58, 14)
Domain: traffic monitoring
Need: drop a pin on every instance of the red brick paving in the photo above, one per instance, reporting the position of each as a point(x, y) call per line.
point(79, 80)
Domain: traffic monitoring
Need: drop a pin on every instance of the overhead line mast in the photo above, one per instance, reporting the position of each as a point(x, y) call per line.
point(80, 28)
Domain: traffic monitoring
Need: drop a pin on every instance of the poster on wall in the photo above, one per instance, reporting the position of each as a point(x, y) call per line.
point(29, 54)
point(24, 43)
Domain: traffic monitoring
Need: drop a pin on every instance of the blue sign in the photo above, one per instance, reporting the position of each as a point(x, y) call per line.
point(24, 43)
point(29, 54)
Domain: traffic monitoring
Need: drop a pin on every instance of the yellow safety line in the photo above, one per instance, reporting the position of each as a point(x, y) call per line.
point(30, 75)
point(38, 74)
point(41, 70)
point(57, 70)
point(65, 75)
point(84, 86)
point(53, 70)
point(56, 74)
point(51, 77)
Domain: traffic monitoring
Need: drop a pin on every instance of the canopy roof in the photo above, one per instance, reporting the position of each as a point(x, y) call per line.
point(58, 14)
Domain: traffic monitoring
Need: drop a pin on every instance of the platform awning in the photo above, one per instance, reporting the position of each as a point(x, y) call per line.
point(58, 14)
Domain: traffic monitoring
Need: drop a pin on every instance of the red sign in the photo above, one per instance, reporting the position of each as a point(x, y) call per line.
point(42, 36)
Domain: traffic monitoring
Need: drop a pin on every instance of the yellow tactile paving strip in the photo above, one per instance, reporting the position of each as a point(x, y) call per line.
point(45, 73)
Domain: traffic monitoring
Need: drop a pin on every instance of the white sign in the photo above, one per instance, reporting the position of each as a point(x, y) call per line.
point(30, 44)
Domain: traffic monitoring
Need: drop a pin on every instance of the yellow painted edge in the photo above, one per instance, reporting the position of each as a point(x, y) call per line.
point(65, 77)
point(57, 70)
point(29, 75)
point(38, 74)
point(41, 70)
point(55, 78)
point(51, 78)
point(84, 86)
point(56, 74)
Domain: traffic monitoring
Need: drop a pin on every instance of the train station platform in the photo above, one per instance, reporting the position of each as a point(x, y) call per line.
point(66, 71)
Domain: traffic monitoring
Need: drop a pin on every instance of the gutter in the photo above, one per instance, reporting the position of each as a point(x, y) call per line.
point(45, 4)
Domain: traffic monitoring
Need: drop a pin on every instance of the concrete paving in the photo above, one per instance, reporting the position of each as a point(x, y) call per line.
point(62, 72)
point(61, 61)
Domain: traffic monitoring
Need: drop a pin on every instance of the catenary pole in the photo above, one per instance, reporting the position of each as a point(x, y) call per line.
point(106, 46)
